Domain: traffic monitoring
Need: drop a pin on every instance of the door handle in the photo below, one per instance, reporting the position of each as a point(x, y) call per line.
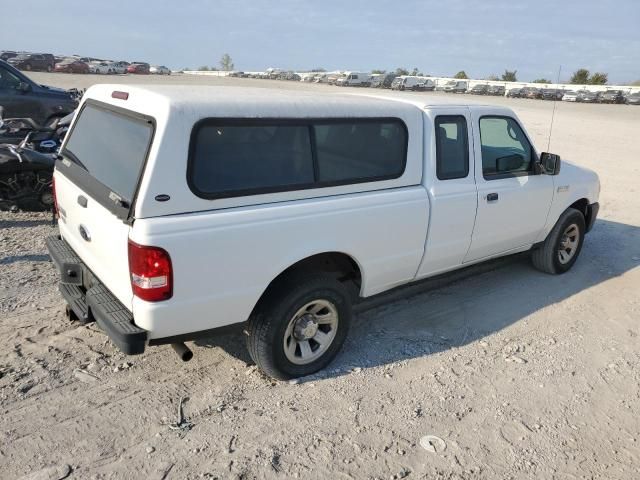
point(492, 197)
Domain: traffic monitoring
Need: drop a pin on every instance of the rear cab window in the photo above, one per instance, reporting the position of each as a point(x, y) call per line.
point(452, 147)
point(105, 153)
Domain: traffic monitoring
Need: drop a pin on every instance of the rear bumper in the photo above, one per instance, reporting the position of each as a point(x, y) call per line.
point(90, 300)
point(592, 214)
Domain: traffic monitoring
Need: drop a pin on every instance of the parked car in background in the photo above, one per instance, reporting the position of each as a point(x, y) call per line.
point(531, 92)
point(586, 96)
point(100, 68)
point(384, 80)
point(291, 76)
point(570, 96)
point(552, 94)
point(6, 55)
point(454, 86)
point(375, 79)
point(140, 68)
point(118, 67)
point(480, 89)
point(259, 166)
point(514, 92)
point(162, 70)
point(22, 97)
point(33, 61)
point(333, 78)
point(354, 79)
point(71, 65)
point(612, 96)
point(412, 83)
point(633, 99)
point(321, 78)
point(496, 90)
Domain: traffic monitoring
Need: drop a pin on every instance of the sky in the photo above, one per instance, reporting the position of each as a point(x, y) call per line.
point(482, 37)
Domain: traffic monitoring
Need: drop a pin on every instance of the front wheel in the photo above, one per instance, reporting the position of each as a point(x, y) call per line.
point(300, 327)
point(562, 246)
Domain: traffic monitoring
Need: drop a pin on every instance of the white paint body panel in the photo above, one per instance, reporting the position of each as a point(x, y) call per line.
point(223, 261)
point(226, 252)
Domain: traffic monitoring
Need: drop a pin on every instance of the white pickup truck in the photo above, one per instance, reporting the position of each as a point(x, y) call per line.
point(183, 210)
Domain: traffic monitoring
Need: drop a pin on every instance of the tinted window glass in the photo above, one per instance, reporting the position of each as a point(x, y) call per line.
point(505, 148)
point(244, 158)
point(112, 147)
point(452, 151)
point(8, 80)
point(360, 150)
point(263, 156)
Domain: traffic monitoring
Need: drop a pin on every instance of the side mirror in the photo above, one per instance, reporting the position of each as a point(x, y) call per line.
point(549, 163)
point(23, 87)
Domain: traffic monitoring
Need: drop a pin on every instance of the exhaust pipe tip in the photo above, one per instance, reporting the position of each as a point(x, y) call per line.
point(183, 351)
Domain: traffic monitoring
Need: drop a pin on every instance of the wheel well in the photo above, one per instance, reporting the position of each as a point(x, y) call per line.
point(582, 206)
point(344, 268)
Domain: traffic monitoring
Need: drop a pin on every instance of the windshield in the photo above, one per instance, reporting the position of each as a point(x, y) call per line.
point(111, 146)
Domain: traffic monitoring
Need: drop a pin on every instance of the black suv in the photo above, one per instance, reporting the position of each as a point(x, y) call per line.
point(22, 97)
point(34, 61)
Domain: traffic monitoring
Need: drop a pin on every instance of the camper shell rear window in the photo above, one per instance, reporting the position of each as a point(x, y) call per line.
point(105, 153)
point(241, 157)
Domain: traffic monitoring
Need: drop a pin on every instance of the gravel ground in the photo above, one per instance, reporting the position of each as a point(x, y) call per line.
point(521, 374)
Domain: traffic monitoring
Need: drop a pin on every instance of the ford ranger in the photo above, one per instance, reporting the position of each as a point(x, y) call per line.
point(183, 210)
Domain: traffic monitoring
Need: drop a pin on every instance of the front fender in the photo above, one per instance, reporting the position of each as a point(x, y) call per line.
point(573, 184)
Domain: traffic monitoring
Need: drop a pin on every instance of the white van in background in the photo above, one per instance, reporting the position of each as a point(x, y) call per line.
point(454, 86)
point(354, 79)
point(413, 83)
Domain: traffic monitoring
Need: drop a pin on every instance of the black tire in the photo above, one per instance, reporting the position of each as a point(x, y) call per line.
point(547, 258)
point(49, 68)
point(267, 327)
point(27, 67)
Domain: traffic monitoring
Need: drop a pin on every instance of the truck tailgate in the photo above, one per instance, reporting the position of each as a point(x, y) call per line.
point(97, 236)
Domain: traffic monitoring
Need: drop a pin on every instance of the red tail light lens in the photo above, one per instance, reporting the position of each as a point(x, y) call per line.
point(151, 272)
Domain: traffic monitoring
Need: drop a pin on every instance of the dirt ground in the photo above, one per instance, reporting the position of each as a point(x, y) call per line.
point(521, 374)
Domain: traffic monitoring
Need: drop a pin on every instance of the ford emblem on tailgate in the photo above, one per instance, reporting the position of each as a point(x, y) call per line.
point(84, 233)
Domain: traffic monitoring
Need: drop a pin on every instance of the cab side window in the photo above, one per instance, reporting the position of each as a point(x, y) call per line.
point(452, 147)
point(505, 148)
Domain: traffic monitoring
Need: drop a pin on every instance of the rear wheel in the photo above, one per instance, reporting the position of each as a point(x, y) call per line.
point(49, 68)
point(562, 246)
point(27, 67)
point(300, 327)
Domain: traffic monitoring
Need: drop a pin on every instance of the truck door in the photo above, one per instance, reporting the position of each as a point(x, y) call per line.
point(513, 201)
point(449, 179)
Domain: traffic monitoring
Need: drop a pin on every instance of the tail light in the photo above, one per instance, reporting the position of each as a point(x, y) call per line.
point(151, 272)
